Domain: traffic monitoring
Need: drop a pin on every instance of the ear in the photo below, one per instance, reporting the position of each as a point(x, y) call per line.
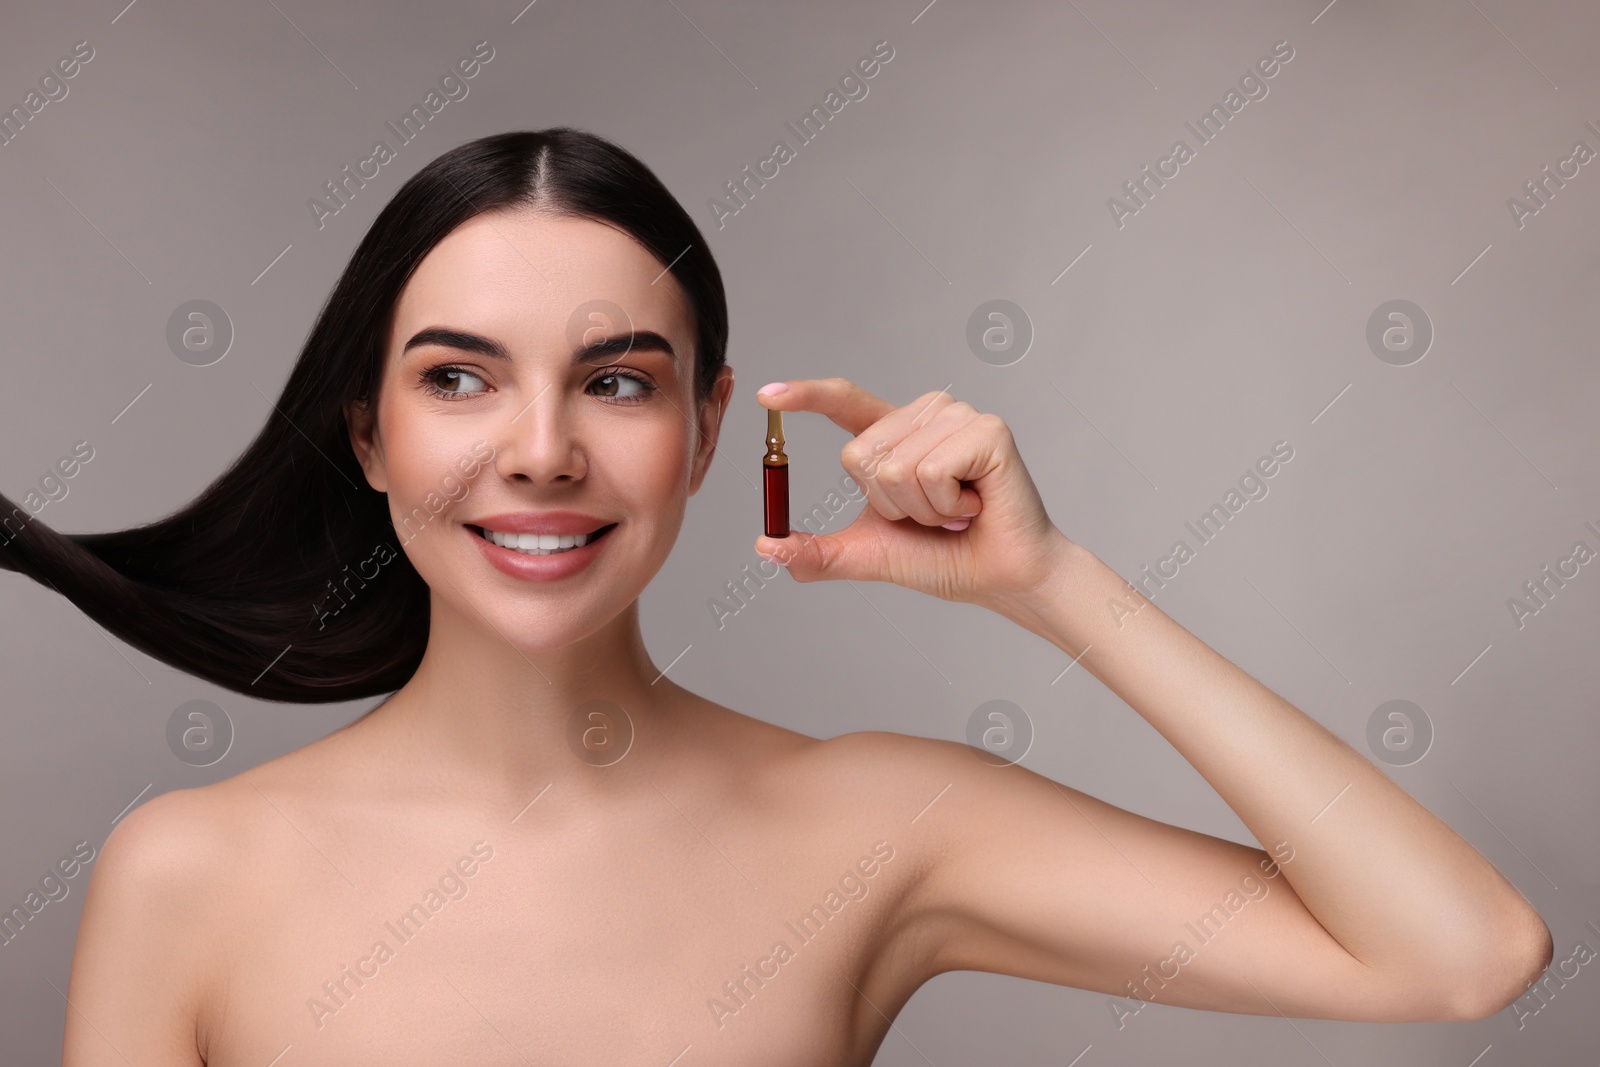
point(361, 419)
point(710, 425)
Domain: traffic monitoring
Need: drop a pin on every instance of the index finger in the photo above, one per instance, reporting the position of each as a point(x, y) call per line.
point(846, 403)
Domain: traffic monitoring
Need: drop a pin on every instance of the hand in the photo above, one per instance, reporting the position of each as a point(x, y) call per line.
point(934, 462)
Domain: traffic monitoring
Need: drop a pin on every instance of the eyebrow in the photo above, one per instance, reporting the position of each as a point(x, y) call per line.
point(600, 352)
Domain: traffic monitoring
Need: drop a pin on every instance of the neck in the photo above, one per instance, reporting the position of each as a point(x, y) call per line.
point(480, 710)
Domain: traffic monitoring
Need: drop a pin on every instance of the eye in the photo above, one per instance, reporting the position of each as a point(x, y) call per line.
point(448, 382)
point(610, 383)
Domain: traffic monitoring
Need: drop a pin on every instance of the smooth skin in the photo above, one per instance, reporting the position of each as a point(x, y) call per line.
point(564, 912)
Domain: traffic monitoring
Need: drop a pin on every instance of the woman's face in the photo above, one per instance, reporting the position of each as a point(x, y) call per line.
point(486, 420)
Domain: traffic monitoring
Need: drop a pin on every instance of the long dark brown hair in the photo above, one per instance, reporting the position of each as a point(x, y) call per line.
point(235, 587)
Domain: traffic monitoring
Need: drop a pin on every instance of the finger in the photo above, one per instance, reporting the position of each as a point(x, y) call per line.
point(905, 475)
point(862, 460)
point(856, 552)
point(967, 455)
point(949, 463)
point(892, 428)
point(846, 403)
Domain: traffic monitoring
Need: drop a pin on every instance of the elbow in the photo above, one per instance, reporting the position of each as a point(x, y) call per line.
point(1500, 976)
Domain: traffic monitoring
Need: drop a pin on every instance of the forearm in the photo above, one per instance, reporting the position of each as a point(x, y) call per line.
point(1399, 889)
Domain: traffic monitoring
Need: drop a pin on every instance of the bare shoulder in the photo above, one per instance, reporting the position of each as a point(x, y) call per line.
point(877, 782)
point(144, 956)
point(191, 838)
point(168, 859)
point(854, 768)
point(825, 792)
point(886, 800)
point(164, 843)
point(163, 902)
point(884, 767)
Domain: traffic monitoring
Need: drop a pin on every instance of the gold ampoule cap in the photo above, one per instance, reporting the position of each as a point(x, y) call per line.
point(775, 456)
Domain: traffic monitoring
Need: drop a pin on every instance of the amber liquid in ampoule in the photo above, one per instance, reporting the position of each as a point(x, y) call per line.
point(775, 478)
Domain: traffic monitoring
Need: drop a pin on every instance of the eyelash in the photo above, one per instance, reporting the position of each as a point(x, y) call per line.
point(431, 387)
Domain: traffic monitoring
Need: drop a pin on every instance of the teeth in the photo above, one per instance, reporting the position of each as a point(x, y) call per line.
point(536, 544)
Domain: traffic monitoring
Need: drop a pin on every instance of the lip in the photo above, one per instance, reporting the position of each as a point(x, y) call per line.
point(537, 568)
point(541, 522)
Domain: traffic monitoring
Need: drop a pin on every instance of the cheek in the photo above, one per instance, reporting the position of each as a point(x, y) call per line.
point(649, 456)
point(422, 460)
point(673, 461)
point(648, 471)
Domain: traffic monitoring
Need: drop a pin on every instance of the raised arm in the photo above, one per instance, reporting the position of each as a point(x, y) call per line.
point(1362, 905)
point(1431, 921)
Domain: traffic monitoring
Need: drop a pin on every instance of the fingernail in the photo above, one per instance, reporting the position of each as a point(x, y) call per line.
point(969, 515)
point(958, 525)
point(774, 388)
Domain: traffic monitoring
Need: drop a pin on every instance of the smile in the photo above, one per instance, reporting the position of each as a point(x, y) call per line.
point(541, 544)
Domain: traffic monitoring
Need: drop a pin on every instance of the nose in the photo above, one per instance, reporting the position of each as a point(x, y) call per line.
point(539, 444)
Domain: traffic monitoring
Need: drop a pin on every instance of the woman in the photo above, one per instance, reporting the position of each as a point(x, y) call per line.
point(539, 849)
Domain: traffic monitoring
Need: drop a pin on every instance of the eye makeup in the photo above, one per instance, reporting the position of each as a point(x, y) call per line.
point(775, 478)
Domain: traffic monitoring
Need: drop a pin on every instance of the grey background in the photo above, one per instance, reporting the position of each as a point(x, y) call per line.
point(1229, 314)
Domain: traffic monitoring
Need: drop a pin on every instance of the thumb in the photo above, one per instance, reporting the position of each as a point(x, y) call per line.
point(851, 553)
